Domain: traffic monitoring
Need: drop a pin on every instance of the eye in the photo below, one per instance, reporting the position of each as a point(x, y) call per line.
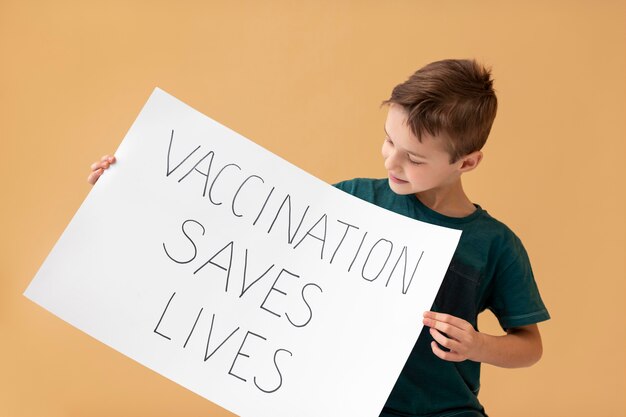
point(387, 140)
point(416, 162)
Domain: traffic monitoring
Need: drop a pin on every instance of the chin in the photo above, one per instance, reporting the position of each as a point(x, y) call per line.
point(401, 189)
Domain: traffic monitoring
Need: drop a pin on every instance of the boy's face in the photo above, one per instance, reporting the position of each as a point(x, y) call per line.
point(413, 166)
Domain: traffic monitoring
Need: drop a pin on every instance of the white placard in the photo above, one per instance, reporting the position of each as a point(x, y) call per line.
point(241, 277)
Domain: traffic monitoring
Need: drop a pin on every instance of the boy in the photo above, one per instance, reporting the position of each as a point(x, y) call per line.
point(437, 124)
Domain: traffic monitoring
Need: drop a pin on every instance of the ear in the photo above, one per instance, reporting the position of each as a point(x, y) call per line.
point(470, 161)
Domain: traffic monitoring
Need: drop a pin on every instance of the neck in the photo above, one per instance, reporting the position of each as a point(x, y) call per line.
point(450, 200)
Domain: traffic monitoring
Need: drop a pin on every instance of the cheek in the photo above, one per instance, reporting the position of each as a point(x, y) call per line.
point(419, 174)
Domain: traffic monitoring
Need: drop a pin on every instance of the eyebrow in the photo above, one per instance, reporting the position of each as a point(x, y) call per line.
point(409, 152)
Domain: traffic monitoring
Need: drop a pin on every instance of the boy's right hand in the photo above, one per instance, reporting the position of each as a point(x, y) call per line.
point(98, 167)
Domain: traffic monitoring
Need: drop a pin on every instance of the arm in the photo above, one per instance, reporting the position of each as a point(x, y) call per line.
point(520, 347)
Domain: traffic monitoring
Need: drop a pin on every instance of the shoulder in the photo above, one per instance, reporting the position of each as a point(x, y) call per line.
point(365, 188)
point(487, 226)
point(496, 243)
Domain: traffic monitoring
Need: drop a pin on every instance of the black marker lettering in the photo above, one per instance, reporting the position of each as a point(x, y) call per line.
point(277, 290)
point(287, 200)
point(239, 189)
point(357, 252)
point(280, 376)
point(195, 249)
point(307, 305)
point(263, 208)
point(403, 254)
point(169, 150)
point(320, 238)
point(204, 174)
point(245, 288)
point(370, 254)
point(405, 287)
point(194, 326)
point(217, 203)
point(348, 226)
point(163, 315)
point(206, 352)
point(222, 267)
point(230, 372)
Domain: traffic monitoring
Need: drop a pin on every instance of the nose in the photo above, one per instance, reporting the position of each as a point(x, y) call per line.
point(391, 159)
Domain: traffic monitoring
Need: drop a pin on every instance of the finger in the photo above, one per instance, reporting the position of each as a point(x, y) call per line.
point(442, 354)
point(447, 318)
point(93, 177)
point(452, 332)
point(438, 324)
point(100, 164)
point(104, 162)
point(443, 340)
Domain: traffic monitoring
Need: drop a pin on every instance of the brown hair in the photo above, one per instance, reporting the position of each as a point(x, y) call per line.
point(454, 97)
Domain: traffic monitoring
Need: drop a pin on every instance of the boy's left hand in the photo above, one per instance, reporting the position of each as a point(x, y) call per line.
point(460, 337)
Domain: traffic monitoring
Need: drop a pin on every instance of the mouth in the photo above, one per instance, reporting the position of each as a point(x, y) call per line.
point(396, 180)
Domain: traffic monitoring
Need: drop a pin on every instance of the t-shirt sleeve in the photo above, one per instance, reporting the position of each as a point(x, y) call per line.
point(515, 299)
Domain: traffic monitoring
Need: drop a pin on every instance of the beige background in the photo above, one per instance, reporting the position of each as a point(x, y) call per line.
point(305, 79)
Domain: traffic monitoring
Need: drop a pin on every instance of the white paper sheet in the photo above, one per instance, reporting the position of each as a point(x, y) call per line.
point(224, 268)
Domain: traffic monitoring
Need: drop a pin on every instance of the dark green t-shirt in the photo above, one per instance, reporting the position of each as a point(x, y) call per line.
point(489, 270)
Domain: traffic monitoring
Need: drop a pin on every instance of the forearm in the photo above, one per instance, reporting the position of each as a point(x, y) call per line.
point(520, 347)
